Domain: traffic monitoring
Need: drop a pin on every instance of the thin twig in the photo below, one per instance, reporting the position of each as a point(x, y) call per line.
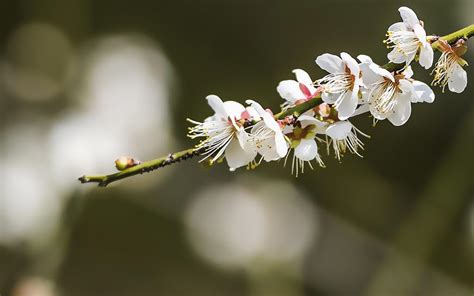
point(144, 167)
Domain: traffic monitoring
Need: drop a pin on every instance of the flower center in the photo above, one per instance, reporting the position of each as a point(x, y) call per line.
point(217, 134)
point(405, 42)
point(337, 83)
point(299, 133)
point(444, 67)
point(383, 96)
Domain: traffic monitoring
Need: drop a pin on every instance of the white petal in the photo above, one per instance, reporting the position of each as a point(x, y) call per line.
point(401, 111)
point(306, 120)
point(358, 83)
point(330, 97)
point(382, 72)
point(245, 141)
point(361, 110)
point(408, 72)
point(216, 104)
point(408, 16)
point(256, 106)
point(365, 59)
point(348, 105)
point(252, 112)
point(321, 128)
point(270, 122)
point(368, 76)
point(457, 80)
point(233, 109)
point(306, 117)
point(330, 63)
point(376, 113)
point(406, 86)
point(236, 156)
point(290, 90)
point(398, 27)
point(268, 149)
point(351, 63)
point(309, 113)
point(302, 77)
point(411, 56)
point(372, 73)
point(365, 95)
point(420, 33)
point(339, 130)
point(281, 145)
point(426, 56)
point(309, 120)
point(306, 150)
point(422, 93)
point(397, 57)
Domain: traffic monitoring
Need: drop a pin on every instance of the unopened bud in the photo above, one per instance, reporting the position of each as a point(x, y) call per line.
point(125, 162)
point(432, 38)
point(323, 109)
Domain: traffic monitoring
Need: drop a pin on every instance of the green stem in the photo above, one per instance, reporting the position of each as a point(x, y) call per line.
point(148, 166)
point(144, 167)
point(465, 33)
point(300, 108)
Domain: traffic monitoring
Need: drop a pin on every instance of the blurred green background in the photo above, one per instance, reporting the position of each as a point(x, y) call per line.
point(83, 82)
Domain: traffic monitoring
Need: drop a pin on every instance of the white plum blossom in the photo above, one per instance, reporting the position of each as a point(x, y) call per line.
point(318, 111)
point(299, 90)
point(341, 87)
point(389, 95)
point(240, 134)
point(449, 68)
point(224, 134)
point(407, 39)
point(266, 135)
point(342, 137)
point(304, 142)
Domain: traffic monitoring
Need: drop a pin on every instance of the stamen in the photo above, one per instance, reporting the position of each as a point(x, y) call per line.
point(218, 135)
point(444, 68)
point(404, 42)
point(351, 142)
point(382, 97)
point(336, 83)
point(298, 165)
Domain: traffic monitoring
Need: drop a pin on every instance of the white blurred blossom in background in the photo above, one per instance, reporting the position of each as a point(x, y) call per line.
point(105, 86)
point(240, 225)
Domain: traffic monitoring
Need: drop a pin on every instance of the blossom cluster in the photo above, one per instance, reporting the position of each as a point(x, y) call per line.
point(246, 135)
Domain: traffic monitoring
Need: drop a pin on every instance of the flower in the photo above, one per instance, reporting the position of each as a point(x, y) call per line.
point(343, 137)
point(389, 95)
point(448, 69)
point(297, 91)
point(303, 142)
point(224, 133)
point(266, 135)
point(407, 39)
point(341, 86)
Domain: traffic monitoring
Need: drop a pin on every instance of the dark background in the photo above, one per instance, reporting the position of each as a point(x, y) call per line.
point(83, 82)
